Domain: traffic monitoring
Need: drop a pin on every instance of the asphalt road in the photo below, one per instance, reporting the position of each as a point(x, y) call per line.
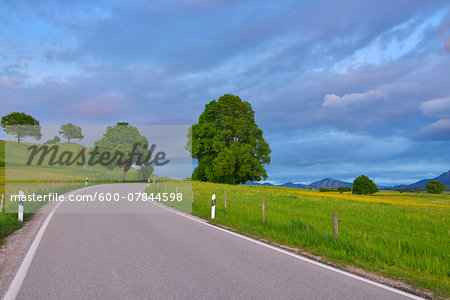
point(164, 255)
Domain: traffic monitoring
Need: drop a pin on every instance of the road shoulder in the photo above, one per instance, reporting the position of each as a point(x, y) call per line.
point(16, 245)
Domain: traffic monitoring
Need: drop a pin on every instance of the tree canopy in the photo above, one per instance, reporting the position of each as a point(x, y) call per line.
point(363, 185)
point(228, 144)
point(54, 140)
point(145, 171)
point(126, 139)
point(70, 131)
point(435, 187)
point(21, 126)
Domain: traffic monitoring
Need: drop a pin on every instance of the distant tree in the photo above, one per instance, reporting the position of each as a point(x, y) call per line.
point(122, 137)
point(70, 131)
point(227, 143)
point(363, 185)
point(55, 140)
point(342, 189)
point(21, 126)
point(145, 171)
point(435, 187)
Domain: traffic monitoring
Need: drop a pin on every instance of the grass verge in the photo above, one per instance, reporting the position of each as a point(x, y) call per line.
point(401, 236)
point(9, 221)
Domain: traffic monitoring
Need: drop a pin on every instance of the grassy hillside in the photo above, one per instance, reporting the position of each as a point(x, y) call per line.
point(402, 236)
point(17, 154)
point(2, 166)
point(17, 170)
point(9, 221)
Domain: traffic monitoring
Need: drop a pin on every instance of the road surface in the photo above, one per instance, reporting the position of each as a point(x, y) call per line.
point(167, 255)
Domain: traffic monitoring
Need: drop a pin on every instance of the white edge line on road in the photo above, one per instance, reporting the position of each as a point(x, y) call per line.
point(380, 285)
point(16, 284)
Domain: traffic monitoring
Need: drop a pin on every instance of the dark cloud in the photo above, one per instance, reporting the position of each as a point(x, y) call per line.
point(439, 130)
point(447, 44)
point(338, 91)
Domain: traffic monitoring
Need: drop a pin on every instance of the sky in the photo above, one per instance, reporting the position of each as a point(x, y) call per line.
point(340, 88)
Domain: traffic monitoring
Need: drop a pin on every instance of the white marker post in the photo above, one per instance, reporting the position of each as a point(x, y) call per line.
point(86, 181)
point(213, 206)
point(20, 207)
point(148, 182)
point(1, 203)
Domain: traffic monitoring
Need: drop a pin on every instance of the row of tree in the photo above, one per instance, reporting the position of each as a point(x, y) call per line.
point(21, 125)
point(226, 142)
point(121, 137)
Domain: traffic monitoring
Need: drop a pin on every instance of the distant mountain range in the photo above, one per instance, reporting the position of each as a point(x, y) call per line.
point(334, 183)
point(444, 178)
point(330, 183)
point(326, 182)
point(294, 185)
point(257, 183)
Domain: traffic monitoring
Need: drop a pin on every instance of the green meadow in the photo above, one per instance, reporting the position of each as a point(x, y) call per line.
point(399, 235)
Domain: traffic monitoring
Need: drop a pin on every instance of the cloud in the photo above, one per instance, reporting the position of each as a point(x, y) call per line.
point(437, 107)
point(439, 130)
point(332, 100)
point(99, 105)
point(161, 63)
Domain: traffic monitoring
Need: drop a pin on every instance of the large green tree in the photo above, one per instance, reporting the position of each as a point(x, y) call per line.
point(70, 131)
point(227, 143)
point(123, 138)
point(435, 187)
point(363, 185)
point(21, 126)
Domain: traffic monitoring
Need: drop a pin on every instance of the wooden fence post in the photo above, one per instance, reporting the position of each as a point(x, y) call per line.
point(335, 225)
point(225, 201)
point(29, 189)
point(263, 212)
point(192, 195)
point(2, 202)
point(42, 186)
point(53, 185)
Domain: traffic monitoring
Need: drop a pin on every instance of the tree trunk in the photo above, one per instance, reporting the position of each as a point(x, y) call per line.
point(68, 140)
point(124, 176)
point(18, 140)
